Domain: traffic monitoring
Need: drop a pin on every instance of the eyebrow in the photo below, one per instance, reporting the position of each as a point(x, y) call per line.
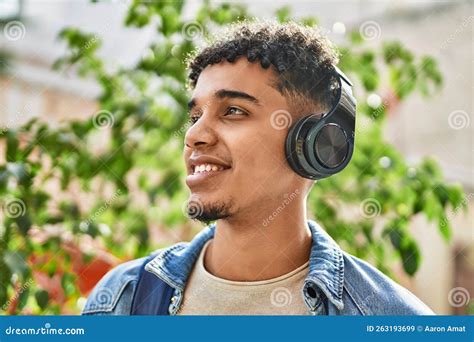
point(227, 93)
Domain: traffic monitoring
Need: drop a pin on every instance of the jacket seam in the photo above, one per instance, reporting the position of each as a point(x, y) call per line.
point(361, 308)
point(160, 273)
point(340, 273)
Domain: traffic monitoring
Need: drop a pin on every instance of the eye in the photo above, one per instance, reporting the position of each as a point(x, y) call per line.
point(235, 111)
point(194, 118)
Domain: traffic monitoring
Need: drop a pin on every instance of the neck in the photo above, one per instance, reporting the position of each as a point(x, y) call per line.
point(261, 248)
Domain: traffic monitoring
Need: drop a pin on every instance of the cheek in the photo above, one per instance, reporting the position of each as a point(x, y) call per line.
point(262, 161)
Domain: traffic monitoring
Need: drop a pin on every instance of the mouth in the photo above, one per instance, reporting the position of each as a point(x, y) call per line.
point(204, 168)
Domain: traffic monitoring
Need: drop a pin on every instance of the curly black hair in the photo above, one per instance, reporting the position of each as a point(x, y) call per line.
point(301, 56)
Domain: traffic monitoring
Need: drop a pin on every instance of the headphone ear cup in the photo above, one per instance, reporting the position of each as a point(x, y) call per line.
point(317, 149)
point(330, 146)
point(295, 147)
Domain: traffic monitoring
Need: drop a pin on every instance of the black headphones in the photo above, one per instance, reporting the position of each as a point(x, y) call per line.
point(318, 146)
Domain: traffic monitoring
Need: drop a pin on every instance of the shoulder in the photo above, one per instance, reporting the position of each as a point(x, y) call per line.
point(376, 294)
point(113, 294)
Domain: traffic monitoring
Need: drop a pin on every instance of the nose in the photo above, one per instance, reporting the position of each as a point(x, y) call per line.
point(200, 134)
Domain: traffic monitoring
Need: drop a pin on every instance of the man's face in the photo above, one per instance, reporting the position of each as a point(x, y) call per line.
point(235, 150)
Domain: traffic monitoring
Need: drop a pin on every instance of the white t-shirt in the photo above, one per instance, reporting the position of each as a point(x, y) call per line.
point(206, 294)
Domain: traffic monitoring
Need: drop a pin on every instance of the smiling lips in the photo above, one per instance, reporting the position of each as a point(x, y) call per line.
point(204, 167)
point(207, 168)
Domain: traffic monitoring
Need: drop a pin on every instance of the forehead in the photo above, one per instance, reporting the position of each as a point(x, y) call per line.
point(241, 75)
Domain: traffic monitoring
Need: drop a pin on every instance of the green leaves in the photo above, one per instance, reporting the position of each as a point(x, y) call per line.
point(411, 257)
point(12, 146)
point(429, 74)
point(362, 64)
point(283, 14)
point(406, 74)
point(397, 230)
point(226, 13)
point(80, 43)
point(42, 298)
point(141, 14)
point(82, 46)
point(5, 275)
point(170, 21)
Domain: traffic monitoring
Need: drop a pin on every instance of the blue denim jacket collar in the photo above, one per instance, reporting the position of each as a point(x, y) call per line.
point(326, 265)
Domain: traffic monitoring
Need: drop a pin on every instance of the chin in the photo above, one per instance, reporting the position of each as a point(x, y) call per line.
point(201, 208)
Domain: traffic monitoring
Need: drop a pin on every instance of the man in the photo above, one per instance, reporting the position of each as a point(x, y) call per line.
point(262, 256)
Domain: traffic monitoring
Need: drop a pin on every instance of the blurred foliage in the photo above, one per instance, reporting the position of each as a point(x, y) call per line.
point(121, 169)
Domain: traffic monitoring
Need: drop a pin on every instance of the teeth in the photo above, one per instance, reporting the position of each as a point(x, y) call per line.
point(207, 168)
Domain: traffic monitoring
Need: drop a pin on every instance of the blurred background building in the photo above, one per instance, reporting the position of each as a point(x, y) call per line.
point(30, 88)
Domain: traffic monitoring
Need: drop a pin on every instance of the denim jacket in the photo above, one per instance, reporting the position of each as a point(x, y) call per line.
point(337, 282)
